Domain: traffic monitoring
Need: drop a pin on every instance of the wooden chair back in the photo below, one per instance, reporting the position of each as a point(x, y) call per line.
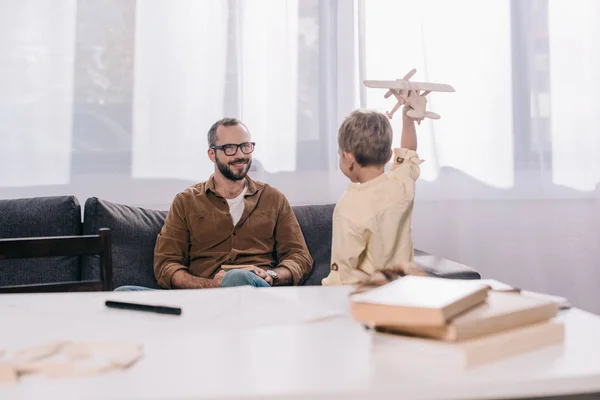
point(57, 246)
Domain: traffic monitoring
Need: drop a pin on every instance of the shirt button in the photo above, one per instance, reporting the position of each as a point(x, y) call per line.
point(234, 233)
point(228, 214)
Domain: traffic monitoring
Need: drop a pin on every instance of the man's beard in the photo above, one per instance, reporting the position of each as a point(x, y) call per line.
point(227, 171)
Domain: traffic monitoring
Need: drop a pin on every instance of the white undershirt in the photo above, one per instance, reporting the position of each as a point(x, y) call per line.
point(236, 207)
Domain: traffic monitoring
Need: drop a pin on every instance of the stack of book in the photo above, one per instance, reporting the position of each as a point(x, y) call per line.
point(466, 321)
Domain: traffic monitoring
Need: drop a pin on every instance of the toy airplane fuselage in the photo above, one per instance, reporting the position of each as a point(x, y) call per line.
point(409, 94)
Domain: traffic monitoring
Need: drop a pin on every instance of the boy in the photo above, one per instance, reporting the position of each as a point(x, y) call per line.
point(372, 219)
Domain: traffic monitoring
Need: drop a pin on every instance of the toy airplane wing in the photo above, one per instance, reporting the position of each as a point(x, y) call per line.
point(406, 85)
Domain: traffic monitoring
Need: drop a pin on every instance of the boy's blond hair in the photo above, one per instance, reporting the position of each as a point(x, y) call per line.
point(366, 134)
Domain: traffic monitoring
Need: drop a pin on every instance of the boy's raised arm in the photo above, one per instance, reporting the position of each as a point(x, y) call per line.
point(406, 161)
point(409, 132)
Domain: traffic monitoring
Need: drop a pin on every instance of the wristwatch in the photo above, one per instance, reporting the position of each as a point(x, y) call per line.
point(273, 274)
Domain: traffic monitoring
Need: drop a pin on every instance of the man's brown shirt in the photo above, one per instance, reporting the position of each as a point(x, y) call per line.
point(199, 236)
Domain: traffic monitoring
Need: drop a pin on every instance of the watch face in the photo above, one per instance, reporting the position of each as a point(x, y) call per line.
point(272, 273)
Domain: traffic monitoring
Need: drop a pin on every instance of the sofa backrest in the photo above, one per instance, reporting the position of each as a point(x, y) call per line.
point(38, 217)
point(315, 222)
point(135, 229)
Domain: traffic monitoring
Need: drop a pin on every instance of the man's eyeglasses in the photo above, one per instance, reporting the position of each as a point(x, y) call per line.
point(232, 149)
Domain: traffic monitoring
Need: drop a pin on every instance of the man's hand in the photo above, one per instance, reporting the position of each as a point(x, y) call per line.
point(184, 280)
point(219, 277)
point(260, 272)
point(284, 276)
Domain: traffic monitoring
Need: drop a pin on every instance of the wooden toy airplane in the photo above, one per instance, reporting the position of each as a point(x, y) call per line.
point(409, 94)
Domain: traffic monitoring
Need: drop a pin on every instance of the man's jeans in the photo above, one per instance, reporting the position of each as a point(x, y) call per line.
point(235, 277)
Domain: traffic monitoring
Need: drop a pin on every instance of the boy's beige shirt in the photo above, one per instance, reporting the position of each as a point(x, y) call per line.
point(372, 223)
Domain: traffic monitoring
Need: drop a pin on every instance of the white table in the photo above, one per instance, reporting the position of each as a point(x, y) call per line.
point(257, 343)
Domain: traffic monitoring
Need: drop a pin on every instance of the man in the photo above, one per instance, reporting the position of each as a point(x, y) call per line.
point(232, 221)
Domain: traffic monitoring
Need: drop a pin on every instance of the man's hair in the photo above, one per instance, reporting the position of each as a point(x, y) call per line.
point(367, 135)
point(212, 132)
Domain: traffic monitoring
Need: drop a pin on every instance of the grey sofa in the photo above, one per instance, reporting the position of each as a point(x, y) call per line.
point(134, 233)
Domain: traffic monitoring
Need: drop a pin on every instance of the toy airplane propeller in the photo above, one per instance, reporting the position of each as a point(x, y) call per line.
point(409, 94)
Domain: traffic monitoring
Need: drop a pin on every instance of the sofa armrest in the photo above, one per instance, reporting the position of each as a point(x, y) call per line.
point(444, 268)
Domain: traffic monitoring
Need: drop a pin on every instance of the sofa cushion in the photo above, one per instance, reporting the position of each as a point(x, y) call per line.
point(36, 217)
point(134, 232)
point(315, 222)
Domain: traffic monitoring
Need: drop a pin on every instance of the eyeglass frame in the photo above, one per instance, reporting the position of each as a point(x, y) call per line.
point(237, 147)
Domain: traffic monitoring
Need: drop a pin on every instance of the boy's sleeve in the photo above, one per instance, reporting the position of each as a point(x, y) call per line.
point(348, 245)
point(406, 164)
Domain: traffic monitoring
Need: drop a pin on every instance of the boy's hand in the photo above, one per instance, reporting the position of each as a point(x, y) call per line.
point(383, 276)
point(405, 118)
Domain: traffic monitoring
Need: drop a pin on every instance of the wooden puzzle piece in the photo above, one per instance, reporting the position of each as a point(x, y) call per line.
point(89, 359)
point(127, 359)
point(8, 374)
point(37, 352)
point(119, 354)
point(73, 359)
point(33, 367)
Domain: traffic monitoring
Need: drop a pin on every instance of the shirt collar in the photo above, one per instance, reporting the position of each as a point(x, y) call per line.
point(366, 185)
point(251, 186)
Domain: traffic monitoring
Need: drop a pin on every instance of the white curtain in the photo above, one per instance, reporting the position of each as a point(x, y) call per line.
point(36, 91)
point(180, 61)
point(180, 80)
point(190, 70)
point(575, 93)
point(448, 45)
point(268, 89)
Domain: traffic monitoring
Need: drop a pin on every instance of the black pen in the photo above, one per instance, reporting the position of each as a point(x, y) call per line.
point(143, 307)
